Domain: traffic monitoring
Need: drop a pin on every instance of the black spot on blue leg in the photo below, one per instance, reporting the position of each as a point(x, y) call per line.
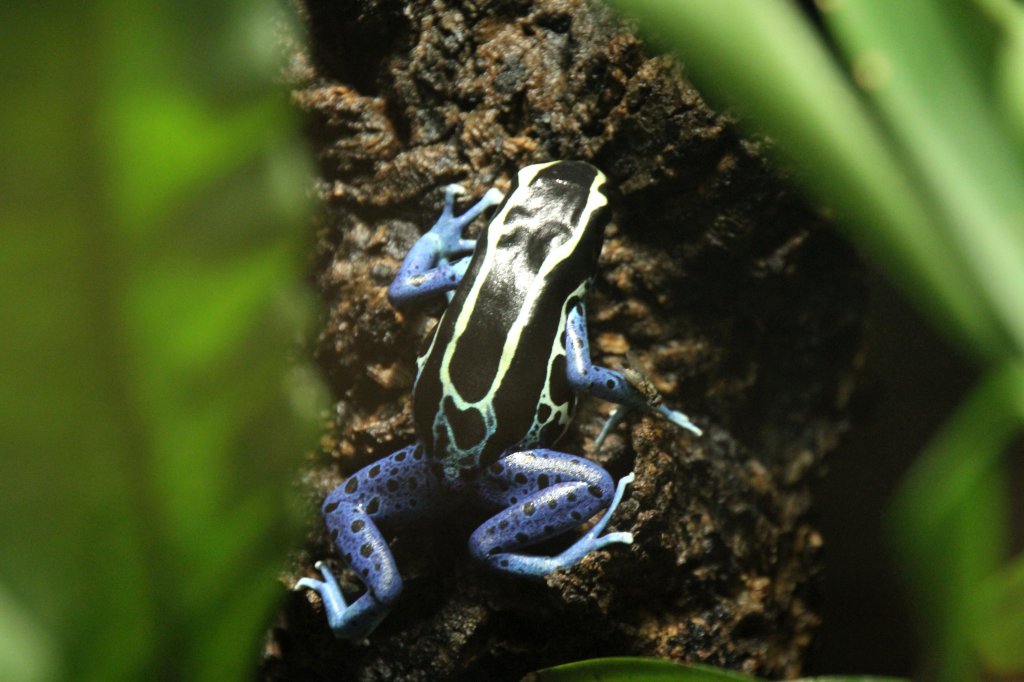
point(374, 506)
point(542, 481)
point(356, 526)
point(351, 485)
point(374, 471)
point(529, 508)
point(366, 550)
point(328, 508)
point(522, 537)
point(595, 491)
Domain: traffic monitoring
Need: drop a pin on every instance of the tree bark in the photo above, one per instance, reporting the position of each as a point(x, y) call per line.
point(726, 289)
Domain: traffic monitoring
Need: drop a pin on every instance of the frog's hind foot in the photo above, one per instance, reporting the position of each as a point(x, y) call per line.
point(550, 493)
point(347, 621)
point(592, 540)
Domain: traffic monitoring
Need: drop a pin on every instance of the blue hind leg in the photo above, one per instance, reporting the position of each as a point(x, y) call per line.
point(546, 493)
point(397, 488)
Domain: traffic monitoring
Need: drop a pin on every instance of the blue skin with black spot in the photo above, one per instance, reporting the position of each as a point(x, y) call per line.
point(495, 387)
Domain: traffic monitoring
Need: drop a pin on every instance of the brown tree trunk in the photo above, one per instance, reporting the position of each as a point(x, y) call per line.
point(733, 296)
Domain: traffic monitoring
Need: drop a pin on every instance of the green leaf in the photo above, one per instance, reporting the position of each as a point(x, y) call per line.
point(930, 78)
point(950, 520)
point(628, 669)
point(776, 70)
point(999, 636)
point(153, 247)
point(26, 653)
point(851, 678)
point(655, 670)
point(1007, 16)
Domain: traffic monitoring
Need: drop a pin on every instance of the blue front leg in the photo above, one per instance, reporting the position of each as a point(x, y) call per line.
point(397, 488)
point(435, 262)
point(545, 493)
point(608, 384)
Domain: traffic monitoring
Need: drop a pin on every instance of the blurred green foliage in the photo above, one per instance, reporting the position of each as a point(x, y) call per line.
point(152, 248)
point(912, 134)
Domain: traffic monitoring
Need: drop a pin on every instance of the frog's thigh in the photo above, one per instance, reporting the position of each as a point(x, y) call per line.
point(545, 494)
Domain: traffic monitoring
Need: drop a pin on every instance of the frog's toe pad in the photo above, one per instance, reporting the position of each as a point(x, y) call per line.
point(680, 420)
point(335, 608)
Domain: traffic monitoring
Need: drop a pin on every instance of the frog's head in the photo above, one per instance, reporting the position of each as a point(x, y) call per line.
point(554, 218)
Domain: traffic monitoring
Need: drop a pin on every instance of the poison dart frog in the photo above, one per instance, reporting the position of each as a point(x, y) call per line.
point(495, 388)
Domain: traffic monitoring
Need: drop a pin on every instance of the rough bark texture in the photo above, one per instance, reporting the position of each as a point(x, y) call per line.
point(728, 291)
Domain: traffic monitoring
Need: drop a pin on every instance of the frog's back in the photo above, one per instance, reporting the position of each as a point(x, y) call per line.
point(493, 377)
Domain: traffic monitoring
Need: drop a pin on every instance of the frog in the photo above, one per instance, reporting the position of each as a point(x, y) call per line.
point(496, 387)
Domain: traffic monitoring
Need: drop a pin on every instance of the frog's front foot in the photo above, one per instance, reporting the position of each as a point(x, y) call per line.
point(614, 419)
point(679, 419)
point(347, 621)
point(448, 228)
point(620, 412)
